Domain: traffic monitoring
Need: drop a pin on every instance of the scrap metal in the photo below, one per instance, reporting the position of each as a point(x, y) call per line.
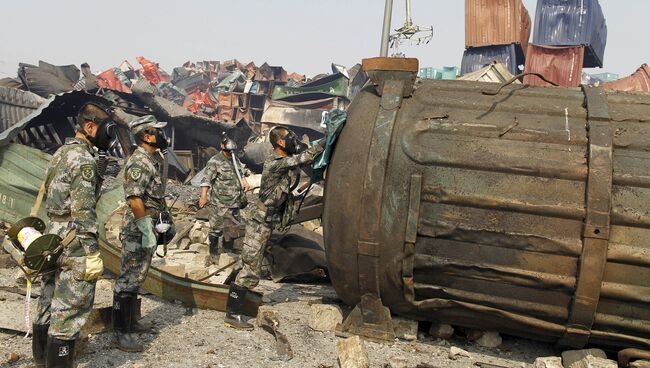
point(540, 233)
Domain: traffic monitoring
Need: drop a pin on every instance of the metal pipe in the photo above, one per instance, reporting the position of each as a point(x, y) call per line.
point(385, 35)
point(409, 22)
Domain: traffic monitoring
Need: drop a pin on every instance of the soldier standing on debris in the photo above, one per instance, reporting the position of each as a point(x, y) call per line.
point(146, 219)
point(275, 201)
point(225, 181)
point(67, 295)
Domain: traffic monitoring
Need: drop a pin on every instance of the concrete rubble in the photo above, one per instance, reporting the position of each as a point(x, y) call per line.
point(352, 353)
point(325, 317)
point(441, 331)
point(548, 362)
point(591, 361)
point(571, 357)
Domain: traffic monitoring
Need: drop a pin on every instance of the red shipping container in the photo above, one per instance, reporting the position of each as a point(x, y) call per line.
point(562, 65)
point(496, 22)
point(637, 82)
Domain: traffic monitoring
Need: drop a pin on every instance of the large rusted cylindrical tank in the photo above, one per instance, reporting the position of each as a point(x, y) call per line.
point(526, 211)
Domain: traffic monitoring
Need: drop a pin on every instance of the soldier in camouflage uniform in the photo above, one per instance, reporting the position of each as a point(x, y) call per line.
point(67, 294)
point(145, 195)
point(222, 189)
point(278, 178)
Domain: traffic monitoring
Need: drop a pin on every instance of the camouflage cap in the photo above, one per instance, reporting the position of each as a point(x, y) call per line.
point(145, 122)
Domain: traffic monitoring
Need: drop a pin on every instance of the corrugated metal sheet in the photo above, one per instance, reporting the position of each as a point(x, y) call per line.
point(562, 65)
point(478, 58)
point(639, 81)
point(15, 104)
point(22, 169)
point(330, 86)
point(572, 23)
point(498, 22)
point(493, 73)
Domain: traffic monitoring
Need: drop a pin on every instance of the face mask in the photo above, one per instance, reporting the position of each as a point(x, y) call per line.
point(228, 144)
point(161, 140)
point(293, 145)
point(105, 135)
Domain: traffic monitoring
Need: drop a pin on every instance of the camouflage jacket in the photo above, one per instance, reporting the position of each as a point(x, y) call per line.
point(220, 176)
point(70, 183)
point(142, 179)
point(278, 175)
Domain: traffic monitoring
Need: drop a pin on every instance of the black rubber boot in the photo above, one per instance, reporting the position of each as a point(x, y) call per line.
point(228, 244)
point(39, 344)
point(124, 306)
point(60, 353)
point(214, 248)
point(234, 308)
point(137, 326)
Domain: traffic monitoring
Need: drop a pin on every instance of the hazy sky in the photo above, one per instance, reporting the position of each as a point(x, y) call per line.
point(302, 35)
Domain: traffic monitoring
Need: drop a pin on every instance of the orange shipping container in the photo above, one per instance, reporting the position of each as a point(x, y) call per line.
point(637, 82)
point(562, 65)
point(496, 22)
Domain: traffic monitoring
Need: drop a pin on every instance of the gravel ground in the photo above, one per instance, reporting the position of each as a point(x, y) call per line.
point(186, 337)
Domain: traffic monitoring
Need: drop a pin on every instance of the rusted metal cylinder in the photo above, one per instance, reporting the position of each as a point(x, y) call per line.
point(525, 212)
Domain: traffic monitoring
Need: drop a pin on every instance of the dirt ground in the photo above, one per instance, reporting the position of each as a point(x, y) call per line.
point(186, 337)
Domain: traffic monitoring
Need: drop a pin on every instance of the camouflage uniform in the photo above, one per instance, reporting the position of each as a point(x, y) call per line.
point(278, 176)
point(141, 179)
point(226, 195)
point(71, 180)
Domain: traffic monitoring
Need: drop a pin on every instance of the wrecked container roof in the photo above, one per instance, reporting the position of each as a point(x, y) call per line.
point(47, 79)
point(562, 65)
point(292, 116)
point(493, 73)
point(47, 126)
point(335, 85)
point(489, 23)
point(15, 105)
point(572, 23)
point(478, 58)
point(639, 81)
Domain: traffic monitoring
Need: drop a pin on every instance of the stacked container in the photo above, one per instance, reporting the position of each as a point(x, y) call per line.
point(495, 30)
point(566, 31)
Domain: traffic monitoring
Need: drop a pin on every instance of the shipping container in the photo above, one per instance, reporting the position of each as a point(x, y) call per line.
point(496, 22)
point(562, 65)
point(637, 82)
point(572, 23)
point(477, 58)
point(446, 73)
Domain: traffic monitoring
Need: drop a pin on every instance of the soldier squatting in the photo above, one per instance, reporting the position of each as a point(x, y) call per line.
point(72, 183)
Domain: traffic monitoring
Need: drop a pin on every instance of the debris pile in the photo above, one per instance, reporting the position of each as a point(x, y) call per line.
point(199, 100)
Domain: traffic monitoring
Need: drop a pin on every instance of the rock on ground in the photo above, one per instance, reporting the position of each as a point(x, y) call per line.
point(591, 361)
point(640, 364)
point(405, 329)
point(352, 353)
point(572, 356)
point(548, 362)
point(441, 331)
point(455, 353)
point(325, 317)
point(490, 339)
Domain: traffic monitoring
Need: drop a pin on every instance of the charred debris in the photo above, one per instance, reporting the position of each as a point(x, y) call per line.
point(199, 100)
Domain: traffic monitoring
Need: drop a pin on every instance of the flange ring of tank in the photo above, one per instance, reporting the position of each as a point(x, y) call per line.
point(525, 212)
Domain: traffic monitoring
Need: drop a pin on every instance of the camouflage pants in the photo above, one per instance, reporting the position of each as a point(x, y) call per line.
point(223, 220)
point(136, 261)
point(252, 255)
point(66, 299)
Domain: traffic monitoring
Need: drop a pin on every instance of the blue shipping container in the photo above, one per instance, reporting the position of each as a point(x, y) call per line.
point(476, 58)
point(572, 23)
